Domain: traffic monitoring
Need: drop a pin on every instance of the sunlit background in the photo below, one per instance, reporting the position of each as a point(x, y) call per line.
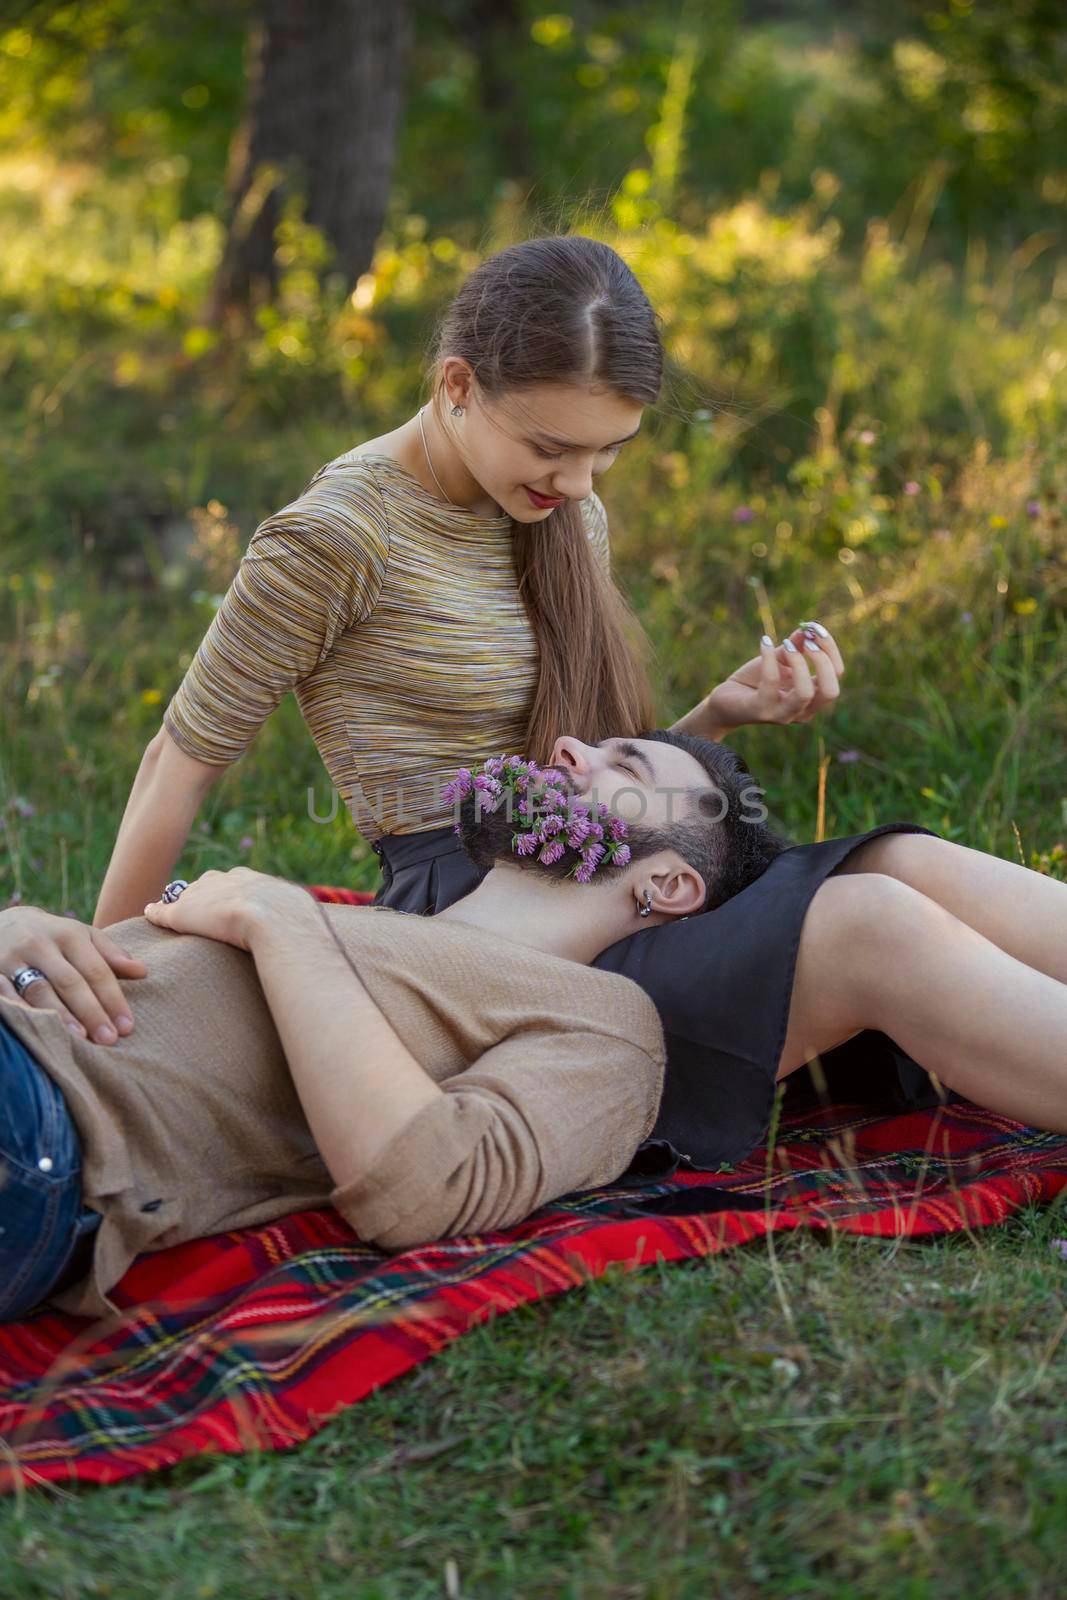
point(850, 218)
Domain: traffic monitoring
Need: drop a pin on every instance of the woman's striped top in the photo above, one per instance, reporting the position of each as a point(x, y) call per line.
point(396, 620)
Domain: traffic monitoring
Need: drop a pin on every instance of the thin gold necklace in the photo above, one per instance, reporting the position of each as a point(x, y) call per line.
point(429, 459)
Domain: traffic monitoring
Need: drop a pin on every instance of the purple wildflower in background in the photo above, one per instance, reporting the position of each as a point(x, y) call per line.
point(744, 514)
point(911, 487)
point(1033, 508)
point(22, 807)
point(246, 843)
point(848, 755)
point(966, 616)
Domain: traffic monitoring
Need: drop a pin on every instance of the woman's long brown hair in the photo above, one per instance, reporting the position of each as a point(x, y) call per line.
point(564, 310)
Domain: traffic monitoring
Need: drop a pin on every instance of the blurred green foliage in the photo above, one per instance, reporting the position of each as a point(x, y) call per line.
point(851, 226)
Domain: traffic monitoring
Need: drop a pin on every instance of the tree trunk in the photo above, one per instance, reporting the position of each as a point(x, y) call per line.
point(325, 94)
point(495, 32)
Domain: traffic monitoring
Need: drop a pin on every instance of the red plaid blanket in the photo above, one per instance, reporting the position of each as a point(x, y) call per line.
point(253, 1339)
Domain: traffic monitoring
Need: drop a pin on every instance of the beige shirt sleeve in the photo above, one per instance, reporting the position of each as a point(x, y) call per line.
point(540, 1114)
point(596, 526)
point(311, 571)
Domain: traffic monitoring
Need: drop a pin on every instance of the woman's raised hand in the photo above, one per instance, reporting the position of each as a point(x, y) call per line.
point(228, 906)
point(789, 682)
point(81, 965)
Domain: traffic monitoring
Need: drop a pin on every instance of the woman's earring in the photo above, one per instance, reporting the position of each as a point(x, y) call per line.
point(457, 411)
point(645, 910)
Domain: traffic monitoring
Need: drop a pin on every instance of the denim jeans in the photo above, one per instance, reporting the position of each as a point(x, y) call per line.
point(42, 1217)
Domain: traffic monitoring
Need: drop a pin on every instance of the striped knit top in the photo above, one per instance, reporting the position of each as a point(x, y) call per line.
point(396, 620)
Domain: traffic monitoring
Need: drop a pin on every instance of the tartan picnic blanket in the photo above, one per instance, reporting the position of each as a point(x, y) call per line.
point(253, 1339)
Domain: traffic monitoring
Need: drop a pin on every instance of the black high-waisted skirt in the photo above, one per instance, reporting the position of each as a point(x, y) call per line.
point(722, 983)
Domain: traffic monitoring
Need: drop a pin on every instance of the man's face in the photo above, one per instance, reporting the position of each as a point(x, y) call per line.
point(640, 780)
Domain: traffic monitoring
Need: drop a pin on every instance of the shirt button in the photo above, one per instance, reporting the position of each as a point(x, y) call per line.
point(45, 1163)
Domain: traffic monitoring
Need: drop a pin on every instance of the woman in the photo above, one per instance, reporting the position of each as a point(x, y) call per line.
point(440, 594)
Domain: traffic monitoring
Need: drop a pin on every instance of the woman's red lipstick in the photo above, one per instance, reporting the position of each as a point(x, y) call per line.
point(542, 501)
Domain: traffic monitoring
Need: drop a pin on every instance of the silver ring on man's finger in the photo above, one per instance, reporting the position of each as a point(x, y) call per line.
point(173, 890)
point(22, 977)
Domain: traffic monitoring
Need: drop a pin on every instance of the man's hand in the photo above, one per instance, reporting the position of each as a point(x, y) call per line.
point(81, 964)
point(230, 906)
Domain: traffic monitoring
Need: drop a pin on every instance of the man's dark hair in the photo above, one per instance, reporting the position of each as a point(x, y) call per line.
point(721, 838)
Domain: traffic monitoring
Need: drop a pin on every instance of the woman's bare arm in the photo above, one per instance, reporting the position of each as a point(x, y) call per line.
point(167, 794)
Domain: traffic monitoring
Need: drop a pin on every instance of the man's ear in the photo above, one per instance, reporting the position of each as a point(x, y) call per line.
point(680, 889)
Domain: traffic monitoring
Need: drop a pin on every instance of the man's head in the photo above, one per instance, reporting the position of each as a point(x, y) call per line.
point(695, 827)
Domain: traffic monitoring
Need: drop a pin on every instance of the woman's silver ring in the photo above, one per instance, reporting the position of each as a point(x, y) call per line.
point(173, 890)
point(22, 977)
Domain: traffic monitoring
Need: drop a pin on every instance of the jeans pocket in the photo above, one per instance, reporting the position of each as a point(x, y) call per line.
point(38, 1233)
point(40, 1179)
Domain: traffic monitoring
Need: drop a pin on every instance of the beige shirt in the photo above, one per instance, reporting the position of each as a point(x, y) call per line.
point(191, 1125)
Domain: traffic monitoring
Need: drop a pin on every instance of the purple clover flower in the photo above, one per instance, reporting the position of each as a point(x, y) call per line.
point(744, 514)
point(458, 788)
point(577, 830)
point(555, 819)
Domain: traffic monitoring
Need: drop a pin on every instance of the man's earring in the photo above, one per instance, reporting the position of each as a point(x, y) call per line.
point(457, 411)
point(645, 910)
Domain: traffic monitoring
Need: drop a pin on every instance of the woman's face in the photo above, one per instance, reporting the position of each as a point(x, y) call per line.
point(552, 438)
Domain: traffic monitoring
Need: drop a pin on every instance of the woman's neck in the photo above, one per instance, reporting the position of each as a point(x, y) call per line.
point(459, 485)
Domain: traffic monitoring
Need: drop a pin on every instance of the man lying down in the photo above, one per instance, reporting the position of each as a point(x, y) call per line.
point(450, 1076)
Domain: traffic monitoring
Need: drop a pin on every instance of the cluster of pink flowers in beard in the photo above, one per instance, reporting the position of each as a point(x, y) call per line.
point(552, 822)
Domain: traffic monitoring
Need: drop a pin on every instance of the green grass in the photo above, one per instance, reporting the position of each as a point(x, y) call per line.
point(801, 1418)
point(853, 1418)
